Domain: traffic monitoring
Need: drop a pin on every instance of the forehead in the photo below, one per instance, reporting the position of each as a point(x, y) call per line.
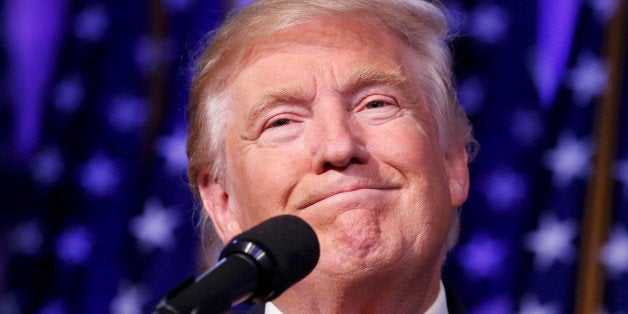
point(347, 45)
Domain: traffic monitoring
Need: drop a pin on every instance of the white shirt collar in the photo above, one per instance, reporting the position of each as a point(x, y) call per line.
point(271, 309)
point(438, 307)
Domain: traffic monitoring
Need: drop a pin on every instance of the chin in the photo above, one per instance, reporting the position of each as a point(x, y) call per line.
point(357, 256)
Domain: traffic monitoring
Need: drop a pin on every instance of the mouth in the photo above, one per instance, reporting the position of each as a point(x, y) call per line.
point(346, 192)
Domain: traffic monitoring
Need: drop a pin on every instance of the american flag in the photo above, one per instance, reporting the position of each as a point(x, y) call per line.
point(96, 216)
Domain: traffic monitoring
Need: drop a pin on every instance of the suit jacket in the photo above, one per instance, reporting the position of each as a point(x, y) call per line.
point(454, 306)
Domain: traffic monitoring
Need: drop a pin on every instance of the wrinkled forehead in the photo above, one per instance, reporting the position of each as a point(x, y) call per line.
point(348, 34)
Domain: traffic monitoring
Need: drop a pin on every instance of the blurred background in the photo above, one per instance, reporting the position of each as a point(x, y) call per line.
point(95, 215)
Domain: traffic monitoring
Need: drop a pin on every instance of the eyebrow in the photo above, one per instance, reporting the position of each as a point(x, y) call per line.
point(289, 94)
point(373, 76)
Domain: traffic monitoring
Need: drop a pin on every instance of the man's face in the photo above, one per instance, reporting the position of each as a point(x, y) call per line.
point(328, 123)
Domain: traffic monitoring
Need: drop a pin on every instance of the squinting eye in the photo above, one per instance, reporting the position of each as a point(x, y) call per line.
point(278, 123)
point(375, 104)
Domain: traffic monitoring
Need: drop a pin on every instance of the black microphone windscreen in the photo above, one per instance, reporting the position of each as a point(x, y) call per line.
point(293, 245)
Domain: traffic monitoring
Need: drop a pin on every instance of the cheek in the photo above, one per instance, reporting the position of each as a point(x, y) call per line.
point(262, 179)
point(419, 159)
point(409, 147)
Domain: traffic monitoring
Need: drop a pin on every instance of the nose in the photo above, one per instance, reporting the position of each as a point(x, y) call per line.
point(336, 142)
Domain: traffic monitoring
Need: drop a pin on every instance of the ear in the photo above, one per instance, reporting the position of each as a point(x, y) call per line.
point(458, 175)
point(215, 199)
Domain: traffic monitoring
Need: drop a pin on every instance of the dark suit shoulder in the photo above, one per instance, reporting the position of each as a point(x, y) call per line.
point(454, 306)
point(247, 308)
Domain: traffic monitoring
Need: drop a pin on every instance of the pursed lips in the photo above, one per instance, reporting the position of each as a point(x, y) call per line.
point(324, 191)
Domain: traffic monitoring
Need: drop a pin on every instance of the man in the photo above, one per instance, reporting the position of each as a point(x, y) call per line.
point(342, 113)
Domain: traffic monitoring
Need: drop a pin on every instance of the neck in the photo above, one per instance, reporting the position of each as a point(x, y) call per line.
point(329, 294)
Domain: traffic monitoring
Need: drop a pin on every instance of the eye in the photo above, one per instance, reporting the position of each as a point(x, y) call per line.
point(378, 108)
point(278, 123)
point(375, 104)
point(281, 128)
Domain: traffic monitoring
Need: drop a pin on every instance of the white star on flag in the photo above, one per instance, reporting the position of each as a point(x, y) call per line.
point(570, 159)
point(588, 79)
point(531, 305)
point(552, 241)
point(154, 228)
point(489, 23)
point(526, 127)
point(604, 9)
point(91, 23)
point(483, 256)
point(74, 246)
point(615, 253)
point(504, 189)
point(471, 95)
point(126, 113)
point(48, 166)
point(172, 149)
point(129, 300)
point(100, 175)
point(68, 94)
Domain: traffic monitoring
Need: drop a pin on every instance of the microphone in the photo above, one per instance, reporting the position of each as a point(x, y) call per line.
point(257, 265)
